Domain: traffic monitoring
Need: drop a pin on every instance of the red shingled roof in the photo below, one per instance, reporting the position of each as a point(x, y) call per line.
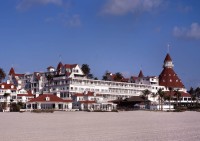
point(79, 94)
point(12, 71)
point(7, 86)
point(52, 98)
point(167, 58)
point(70, 66)
point(60, 65)
point(140, 74)
point(169, 78)
point(183, 94)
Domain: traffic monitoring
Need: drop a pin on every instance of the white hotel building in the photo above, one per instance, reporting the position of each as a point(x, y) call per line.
point(68, 79)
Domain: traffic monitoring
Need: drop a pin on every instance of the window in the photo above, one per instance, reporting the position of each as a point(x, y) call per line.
point(185, 99)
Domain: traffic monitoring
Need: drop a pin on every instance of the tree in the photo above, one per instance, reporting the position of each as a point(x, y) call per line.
point(197, 94)
point(6, 97)
point(170, 97)
point(90, 76)
point(154, 95)
point(145, 94)
point(177, 94)
point(11, 107)
point(191, 91)
point(193, 98)
point(2, 75)
point(105, 76)
point(118, 76)
point(161, 95)
point(86, 69)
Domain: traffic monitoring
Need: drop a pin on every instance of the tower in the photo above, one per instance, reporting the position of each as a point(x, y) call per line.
point(168, 77)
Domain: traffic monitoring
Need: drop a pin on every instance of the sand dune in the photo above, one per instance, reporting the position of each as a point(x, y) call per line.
point(85, 126)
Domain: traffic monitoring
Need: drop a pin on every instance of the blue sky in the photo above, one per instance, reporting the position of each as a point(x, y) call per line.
point(115, 35)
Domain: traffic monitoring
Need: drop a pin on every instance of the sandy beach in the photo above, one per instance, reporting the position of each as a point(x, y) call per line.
point(85, 126)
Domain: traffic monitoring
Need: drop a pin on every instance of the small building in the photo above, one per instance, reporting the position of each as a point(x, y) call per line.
point(49, 101)
point(91, 101)
point(134, 102)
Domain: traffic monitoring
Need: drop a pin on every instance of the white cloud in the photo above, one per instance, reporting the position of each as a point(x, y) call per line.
point(121, 7)
point(26, 4)
point(192, 32)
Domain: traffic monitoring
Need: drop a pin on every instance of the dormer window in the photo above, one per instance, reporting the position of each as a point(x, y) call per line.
point(12, 86)
point(47, 98)
point(2, 86)
point(170, 80)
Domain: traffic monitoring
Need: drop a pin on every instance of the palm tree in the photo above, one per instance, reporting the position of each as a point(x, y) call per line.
point(197, 93)
point(145, 94)
point(6, 97)
point(161, 95)
point(170, 97)
point(11, 106)
point(154, 95)
point(105, 77)
point(2, 75)
point(193, 96)
point(90, 76)
point(177, 94)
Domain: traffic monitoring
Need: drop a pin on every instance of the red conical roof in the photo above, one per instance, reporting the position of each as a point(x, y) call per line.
point(168, 77)
point(141, 74)
point(60, 65)
point(12, 71)
point(167, 58)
